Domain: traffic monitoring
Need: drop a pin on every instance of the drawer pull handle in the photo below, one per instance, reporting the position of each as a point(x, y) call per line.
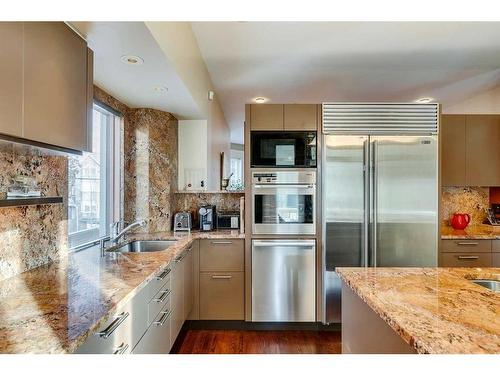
point(221, 242)
point(121, 349)
point(114, 325)
point(467, 243)
point(163, 297)
point(164, 274)
point(179, 259)
point(163, 319)
point(222, 277)
point(468, 257)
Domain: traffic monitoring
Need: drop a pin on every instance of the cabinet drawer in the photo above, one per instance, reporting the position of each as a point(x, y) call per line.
point(159, 281)
point(121, 332)
point(160, 302)
point(495, 246)
point(222, 296)
point(221, 255)
point(460, 246)
point(466, 260)
point(156, 340)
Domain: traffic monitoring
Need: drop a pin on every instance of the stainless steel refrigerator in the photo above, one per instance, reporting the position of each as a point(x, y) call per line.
point(380, 190)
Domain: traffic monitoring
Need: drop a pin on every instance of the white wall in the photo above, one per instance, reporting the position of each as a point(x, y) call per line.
point(486, 102)
point(193, 150)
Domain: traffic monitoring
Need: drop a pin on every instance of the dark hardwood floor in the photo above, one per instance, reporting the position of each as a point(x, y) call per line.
point(257, 342)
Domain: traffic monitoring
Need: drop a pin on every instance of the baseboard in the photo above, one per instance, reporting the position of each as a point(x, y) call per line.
point(242, 325)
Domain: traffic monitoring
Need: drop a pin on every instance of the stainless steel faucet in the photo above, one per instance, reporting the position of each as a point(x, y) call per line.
point(116, 236)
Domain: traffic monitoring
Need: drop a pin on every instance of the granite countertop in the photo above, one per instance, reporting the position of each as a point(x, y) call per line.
point(55, 307)
point(435, 310)
point(476, 232)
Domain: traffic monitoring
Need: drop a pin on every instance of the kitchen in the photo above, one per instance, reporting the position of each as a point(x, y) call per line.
point(144, 212)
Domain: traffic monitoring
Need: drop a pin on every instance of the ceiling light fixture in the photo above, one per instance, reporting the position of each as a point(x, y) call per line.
point(424, 100)
point(132, 60)
point(161, 89)
point(260, 100)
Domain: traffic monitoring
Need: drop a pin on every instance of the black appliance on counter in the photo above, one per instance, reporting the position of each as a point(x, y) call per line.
point(283, 149)
point(207, 217)
point(228, 220)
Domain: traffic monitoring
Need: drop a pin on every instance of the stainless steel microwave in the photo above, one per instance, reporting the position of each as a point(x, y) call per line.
point(283, 149)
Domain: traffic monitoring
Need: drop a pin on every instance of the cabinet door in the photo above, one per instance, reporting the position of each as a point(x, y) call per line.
point(55, 85)
point(266, 117)
point(222, 255)
point(188, 282)
point(177, 299)
point(453, 150)
point(482, 150)
point(222, 296)
point(11, 78)
point(300, 117)
point(466, 260)
point(495, 262)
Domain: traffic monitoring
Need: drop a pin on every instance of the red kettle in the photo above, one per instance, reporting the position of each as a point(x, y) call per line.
point(460, 221)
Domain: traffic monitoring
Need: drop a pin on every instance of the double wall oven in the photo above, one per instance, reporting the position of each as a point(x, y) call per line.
point(283, 212)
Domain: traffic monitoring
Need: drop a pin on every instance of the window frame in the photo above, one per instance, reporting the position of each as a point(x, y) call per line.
point(111, 203)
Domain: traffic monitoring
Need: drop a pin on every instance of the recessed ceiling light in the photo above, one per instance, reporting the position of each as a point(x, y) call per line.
point(260, 100)
point(132, 60)
point(424, 100)
point(161, 89)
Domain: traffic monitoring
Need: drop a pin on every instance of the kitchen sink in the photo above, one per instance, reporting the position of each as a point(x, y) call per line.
point(143, 246)
point(493, 285)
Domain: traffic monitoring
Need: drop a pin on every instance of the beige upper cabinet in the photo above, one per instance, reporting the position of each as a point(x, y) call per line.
point(482, 135)
point(55, 85)
point(470, 153)
point(266, 117)
point(300, 117)
point(453, 150)
point(11, 78)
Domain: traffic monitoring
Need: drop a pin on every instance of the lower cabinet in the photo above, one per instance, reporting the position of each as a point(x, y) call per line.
point(495, 261)
point(466, 253)
point(222, 296)
point(177, 297)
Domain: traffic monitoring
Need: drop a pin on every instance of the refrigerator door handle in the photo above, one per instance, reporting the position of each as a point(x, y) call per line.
point(366, 203)
point(374, 199)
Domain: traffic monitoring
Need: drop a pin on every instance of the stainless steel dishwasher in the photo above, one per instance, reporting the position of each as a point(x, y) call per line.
point(283, 280)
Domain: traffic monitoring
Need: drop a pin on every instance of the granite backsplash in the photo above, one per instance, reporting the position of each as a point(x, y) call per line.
point(32, 235)
point(470, 200)
point(192, 201)
point(150, 163)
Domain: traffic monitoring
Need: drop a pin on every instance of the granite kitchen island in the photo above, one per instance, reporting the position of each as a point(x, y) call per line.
point(419, 310)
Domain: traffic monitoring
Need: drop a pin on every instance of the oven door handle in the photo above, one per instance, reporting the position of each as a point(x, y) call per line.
point(280, 186)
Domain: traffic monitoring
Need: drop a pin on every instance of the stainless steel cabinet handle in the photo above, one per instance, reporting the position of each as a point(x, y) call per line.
point(121, 349)
point(467, 243)
point(163, 297)
point(221, 242)
point(179, 259)
point(163, 319)
point(114, 325)
point(222, 277)
point(468, 257)
point(164, 274)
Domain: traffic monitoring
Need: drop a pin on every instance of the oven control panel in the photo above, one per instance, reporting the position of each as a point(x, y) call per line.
point(284, 177)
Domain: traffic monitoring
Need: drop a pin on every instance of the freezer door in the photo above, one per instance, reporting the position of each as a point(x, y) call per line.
point(345, 213)
point(283, 280)
point(404, 215)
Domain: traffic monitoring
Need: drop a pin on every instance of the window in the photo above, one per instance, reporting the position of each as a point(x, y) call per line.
point(236, 164)
point(95, 180)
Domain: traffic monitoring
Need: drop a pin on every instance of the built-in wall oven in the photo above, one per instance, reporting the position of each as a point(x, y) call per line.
point(283, 149)
point(284, 201)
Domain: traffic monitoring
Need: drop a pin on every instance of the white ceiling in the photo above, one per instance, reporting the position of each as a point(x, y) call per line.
point(134, 85)
point(310, 62)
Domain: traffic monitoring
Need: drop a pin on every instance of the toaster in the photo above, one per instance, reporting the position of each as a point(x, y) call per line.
point(182, 222)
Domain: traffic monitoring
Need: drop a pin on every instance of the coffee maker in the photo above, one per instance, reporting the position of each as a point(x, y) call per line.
point(207, 217)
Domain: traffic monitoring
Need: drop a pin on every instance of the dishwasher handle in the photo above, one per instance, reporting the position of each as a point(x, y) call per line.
point(305, 243)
